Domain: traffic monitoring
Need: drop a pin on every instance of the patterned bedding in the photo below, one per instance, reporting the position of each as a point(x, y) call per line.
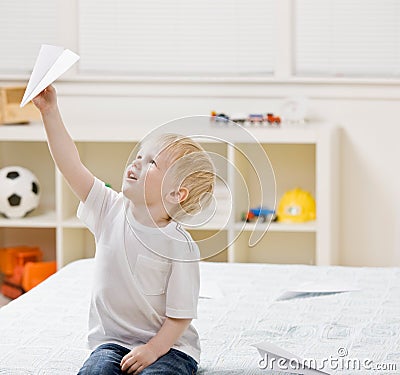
point(44, 331)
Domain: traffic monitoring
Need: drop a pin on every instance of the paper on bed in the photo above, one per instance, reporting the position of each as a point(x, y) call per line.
point(277, 359)
point(324, 287)
point(50, 64)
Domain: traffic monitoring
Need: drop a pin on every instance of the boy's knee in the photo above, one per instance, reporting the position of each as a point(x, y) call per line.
point(105, 360)
point(172, 363)
point(100, 367)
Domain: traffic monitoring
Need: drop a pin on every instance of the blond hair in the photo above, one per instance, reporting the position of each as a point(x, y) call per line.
point(191, 168)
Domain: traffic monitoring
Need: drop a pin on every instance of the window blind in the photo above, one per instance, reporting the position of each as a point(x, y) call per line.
point(24, 26)
point(176, 37)
point(347, 38)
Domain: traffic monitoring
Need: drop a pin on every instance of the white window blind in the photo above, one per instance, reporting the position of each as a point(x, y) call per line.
point(176, 37)
point(345, 38)
point(24, 26)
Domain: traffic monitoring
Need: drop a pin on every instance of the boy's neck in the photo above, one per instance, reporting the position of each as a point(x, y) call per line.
point(150, 216)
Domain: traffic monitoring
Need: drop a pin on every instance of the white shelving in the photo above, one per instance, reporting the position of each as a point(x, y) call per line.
point(303, 156)
point(41, 219)
point(310, 226)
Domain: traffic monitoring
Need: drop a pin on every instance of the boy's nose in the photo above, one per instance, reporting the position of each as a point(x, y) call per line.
point(137, 163)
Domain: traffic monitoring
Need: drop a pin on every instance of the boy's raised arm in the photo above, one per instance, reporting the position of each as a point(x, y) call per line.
point(61, 145)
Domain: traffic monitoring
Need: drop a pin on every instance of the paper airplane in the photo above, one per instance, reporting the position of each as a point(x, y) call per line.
point(50, 64)
point(313, 289)
point(274, 358)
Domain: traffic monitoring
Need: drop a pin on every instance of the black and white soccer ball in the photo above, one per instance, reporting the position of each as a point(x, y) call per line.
point(19, 192)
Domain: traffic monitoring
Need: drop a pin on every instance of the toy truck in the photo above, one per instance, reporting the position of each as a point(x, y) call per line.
point(23, 269)
point(259, 213)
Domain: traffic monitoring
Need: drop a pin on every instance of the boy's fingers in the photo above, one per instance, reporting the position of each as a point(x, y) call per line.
point(134, 368)
point(139, 370)
point(125, 358)
point(128, 363)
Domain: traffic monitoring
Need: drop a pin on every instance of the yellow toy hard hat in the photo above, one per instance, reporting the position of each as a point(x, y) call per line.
point(296, 206)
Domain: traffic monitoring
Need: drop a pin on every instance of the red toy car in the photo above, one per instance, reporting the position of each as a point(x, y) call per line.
point(273, 119)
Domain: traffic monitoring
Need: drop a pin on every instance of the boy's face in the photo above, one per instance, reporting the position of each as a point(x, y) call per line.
point(146, 176)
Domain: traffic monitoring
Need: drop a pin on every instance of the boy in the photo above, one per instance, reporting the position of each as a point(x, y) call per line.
point(146, 282)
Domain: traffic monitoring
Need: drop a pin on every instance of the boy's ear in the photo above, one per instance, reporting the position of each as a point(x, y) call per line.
point(177, 196)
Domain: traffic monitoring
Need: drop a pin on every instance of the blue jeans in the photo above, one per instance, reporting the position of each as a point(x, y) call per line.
point(106, 359)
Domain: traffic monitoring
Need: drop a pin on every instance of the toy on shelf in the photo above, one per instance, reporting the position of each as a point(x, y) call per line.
point(273, 119)
point(10, 111)
point(19, 192)
point(255, 118)
point(36, 272)
point(252, 119)
point(294, 109)
point(296, 206)
point(259, 213)
point(219, 117)
point(23, 269)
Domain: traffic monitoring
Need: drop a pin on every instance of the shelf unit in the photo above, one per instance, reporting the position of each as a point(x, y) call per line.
point(302, 156)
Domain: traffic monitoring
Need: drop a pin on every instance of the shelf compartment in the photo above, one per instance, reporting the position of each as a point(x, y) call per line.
point(218, 153)
point(277, 248)
point(106, 161)
point(212, 244)
point(77, 243)
point(253, 179)
point(293, 165)
point(36, 157)
point(45, 238)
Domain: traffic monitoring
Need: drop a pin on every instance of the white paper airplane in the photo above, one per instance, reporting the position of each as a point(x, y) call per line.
point(50, 64)
point(315, 289)
point(277, 359)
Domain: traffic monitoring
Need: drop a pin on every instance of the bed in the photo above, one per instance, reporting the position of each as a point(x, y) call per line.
point(44, 331)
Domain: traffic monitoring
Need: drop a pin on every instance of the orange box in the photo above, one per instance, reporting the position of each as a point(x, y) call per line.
point(22, 257)
point(11, 256)
point(35, 273)
point(16, 263)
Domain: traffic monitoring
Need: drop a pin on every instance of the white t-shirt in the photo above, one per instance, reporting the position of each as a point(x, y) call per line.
point(135, 288)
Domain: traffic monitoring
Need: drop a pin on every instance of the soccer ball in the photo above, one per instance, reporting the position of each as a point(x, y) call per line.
point(19, 192)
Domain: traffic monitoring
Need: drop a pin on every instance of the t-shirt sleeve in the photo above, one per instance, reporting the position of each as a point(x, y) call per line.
point(98, 202)
point(183, 289)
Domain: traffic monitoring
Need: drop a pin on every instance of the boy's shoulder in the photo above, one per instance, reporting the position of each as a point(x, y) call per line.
point(182, 245)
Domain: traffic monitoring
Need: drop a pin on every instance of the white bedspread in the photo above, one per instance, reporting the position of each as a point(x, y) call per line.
point(44, 331)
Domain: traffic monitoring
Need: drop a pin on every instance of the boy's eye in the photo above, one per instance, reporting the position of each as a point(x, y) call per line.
point(153, 162)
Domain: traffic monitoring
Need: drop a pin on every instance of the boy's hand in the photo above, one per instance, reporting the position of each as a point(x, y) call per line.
point(138, 359)
point(46, 100)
